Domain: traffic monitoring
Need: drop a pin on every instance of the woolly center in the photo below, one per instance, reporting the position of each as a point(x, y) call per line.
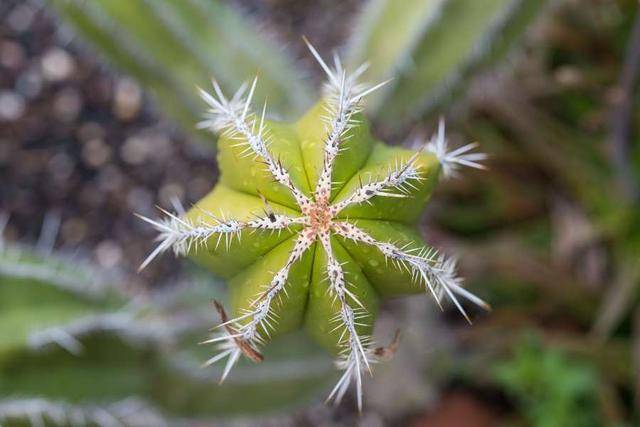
point(320, 217)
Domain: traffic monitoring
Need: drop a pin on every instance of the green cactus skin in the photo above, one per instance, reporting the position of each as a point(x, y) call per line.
point(250, 260)
point(313, 223)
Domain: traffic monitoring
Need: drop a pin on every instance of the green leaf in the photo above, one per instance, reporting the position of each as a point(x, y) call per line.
point(552, 388)
point(431, 47)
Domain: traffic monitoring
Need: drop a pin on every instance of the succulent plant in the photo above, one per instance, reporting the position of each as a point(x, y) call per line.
point(313, 223)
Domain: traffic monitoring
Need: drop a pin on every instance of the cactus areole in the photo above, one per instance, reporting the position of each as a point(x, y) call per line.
point(314, 222)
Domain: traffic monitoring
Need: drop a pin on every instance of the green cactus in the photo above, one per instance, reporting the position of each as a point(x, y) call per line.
point(39, 293)
point(430, 47)
point(42, 412)
point(314, 222)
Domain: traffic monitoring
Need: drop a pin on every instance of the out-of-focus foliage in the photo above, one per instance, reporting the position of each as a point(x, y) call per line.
point(73, 344)
point(39, 293)
point(431, 47)
point(553, 389)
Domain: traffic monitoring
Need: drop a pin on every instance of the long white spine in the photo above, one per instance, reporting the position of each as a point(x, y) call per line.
point(435, 271)
point(398, 182)
point(246, 331)
point(235, 119)
point(183, 235)
point(356, 354)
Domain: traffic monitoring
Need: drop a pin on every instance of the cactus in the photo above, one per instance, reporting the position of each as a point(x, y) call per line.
point(313, 223)
point(41, 296)
point(430, 47)
point(294, 371)
point(171, 46)
point(40, 412)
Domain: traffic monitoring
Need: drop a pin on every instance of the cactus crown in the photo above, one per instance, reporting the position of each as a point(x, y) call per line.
point(320, 217)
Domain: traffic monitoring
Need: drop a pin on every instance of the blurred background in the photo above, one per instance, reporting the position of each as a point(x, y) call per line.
point(97, 114)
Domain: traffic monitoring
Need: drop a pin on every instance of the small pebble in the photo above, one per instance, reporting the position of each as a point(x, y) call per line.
point(57, 65)
point(11, 55)
point(127, 99)
point(61, 166)
point(108, 254)
point(21, 17)
point(12, 106)
point(29, 84)
point(96, 153)
point(67, 105)
point(136, 150)
point(90, 130)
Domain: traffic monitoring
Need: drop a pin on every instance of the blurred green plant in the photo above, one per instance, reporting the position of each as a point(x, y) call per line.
point(76, 351)
point(553, 389)
point(38, 292)
point(429, 48)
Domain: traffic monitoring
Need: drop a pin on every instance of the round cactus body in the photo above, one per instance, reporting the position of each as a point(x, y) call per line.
point(250, 258)
point(312, 223)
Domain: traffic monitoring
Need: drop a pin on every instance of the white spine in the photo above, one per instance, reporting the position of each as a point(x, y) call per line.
point(398, 182)
point(344, 95)
point(234, 119)
point(356, 354)
point(183, 235)
point(436, 272)
point(245, 333)
point(452, 160)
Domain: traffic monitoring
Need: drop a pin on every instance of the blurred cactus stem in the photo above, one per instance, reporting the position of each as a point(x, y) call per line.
point(431, 48)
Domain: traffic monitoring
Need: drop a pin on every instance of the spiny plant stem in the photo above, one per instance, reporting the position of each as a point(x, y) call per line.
point(250, 329)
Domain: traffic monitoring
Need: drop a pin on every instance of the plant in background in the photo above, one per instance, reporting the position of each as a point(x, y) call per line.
point(313, 223)
point(63, 321)
point(553, 389)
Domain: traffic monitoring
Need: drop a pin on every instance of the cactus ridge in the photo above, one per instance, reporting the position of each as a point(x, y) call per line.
point(81, 279)
point(41, 412)
point(322, 215)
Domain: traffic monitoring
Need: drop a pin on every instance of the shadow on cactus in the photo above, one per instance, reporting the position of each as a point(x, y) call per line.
point(313, 223)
